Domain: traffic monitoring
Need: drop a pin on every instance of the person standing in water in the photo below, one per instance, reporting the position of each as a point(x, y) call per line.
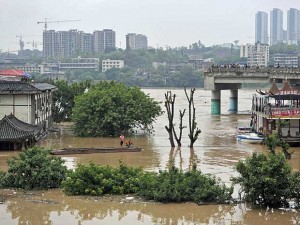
point(122, 138)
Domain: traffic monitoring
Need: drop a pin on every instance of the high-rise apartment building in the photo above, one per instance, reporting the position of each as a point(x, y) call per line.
point(293, 26)
point(136, 41)
point(103, 40)
point(257, 55)
point(276, 26)
point(261, 27)
point(66, 44)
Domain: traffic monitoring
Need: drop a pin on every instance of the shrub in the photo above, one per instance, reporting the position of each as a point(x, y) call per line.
point(34, 168)
point(177, 186)
point(265, 179)
point(167, 186)
point(100, 180)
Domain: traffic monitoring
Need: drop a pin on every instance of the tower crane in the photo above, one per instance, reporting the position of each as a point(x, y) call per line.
point(57, 21)
point(21, 42)
point(34, 44)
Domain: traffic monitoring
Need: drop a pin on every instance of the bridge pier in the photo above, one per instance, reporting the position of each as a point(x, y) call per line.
point(233, 101)
point(215, 102)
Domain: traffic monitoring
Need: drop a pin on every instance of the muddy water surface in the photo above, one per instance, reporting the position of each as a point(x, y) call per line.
point(216, 152)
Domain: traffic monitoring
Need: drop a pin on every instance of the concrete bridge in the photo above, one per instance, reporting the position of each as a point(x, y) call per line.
point(218, 78)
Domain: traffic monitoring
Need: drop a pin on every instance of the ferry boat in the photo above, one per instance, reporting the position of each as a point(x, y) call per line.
point(271, 106)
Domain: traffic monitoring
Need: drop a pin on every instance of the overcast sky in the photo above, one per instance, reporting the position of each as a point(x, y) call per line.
point(165, 22)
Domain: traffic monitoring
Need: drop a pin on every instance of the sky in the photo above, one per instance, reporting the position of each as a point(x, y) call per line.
point(173, 23)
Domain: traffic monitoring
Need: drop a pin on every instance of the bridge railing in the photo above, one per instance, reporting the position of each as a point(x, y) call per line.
point(237, 69)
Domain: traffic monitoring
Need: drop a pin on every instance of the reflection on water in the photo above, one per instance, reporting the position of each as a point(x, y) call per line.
point(216, 152)
point(52, 207)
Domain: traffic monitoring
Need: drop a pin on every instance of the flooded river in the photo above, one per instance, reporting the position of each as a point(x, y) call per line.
point(215, 152)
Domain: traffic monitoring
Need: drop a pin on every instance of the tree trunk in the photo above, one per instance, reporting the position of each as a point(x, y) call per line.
point(194, 131)
point(169, 104)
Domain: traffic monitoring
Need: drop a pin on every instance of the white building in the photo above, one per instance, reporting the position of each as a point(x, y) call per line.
point(286, 60)
point(108, 64)
point(80, 63)
point(29, 102)
point(256, 54)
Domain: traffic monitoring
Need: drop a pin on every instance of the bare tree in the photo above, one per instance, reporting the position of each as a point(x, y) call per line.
point(194, 131)
point(169, 104)
point(178, 139)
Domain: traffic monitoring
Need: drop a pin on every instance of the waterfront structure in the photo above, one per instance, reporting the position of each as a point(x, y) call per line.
point(217, 78)
point(286, 60)
point(293, 26)
point(268, 108)
point(261, 28)
point(108, 64)
point(257, 55)
point(136, 41)
point(16, 134)
point(276, 26)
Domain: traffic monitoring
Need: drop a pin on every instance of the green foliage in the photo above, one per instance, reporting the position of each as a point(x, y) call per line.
point(167, 186)
point(296, 188)
point(266, 180)
point(2, 175)
point(34, 168)
point(99, 180)
point(110, 108)
point(63, 98)
point(177, 186)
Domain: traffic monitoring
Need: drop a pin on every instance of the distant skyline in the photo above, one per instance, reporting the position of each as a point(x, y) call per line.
point(171, 23)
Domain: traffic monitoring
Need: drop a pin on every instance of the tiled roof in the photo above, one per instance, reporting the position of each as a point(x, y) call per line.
point(13, 129)
point(23, 87)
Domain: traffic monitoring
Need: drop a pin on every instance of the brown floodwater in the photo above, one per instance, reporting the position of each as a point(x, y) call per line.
point(215, 152)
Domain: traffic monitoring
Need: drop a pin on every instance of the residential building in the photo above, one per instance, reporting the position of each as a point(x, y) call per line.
point(108, 64)
point(293, 26)
point(257, 54)
point(103, 40)
point(276, 26)
point(261, 28)
point(65, 44)
point(286, 60)
point(136, 41)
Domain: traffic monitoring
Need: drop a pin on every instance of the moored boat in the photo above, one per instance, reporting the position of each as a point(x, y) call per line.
point(70, 151)
point(250, 138)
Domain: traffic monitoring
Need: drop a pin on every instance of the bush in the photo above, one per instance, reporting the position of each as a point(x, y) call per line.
point(100, 180)
point(266, 179)
point(167, 186)
point(177, 186)
point(34, 169)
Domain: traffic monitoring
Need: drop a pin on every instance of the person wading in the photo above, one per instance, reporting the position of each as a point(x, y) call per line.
point(122, 138)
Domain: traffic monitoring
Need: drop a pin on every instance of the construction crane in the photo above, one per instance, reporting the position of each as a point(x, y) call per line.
point(34, 44)
point(21, 42)
point(57, 21)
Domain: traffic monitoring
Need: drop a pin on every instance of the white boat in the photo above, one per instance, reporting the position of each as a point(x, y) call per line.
point(250, 138)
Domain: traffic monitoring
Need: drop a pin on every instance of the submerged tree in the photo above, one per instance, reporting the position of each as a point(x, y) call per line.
point(170, 105)
point(111, 108)
point(194, 131)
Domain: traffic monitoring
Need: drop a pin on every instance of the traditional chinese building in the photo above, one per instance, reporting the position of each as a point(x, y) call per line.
point(278, 104)
point(27, 102)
